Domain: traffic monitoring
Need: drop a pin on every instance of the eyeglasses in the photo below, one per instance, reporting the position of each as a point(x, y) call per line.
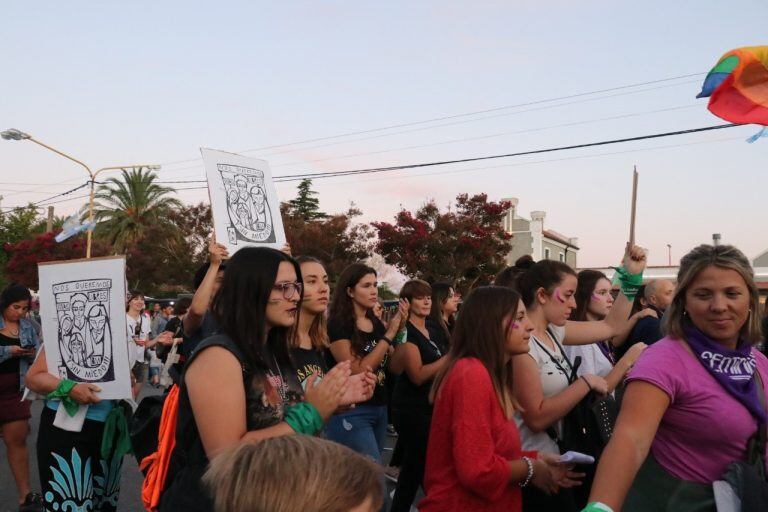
point(289, 289)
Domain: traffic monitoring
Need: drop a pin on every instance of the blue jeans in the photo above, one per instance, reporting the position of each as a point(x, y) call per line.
point(362, 429)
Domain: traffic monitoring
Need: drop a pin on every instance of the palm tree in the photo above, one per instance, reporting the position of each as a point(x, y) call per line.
point(129, 205)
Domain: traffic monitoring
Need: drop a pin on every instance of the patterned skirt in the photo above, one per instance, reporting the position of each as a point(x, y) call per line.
point(73, 474)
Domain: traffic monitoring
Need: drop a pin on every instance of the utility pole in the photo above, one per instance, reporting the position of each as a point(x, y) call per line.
point(49, 225)
point(669, 251)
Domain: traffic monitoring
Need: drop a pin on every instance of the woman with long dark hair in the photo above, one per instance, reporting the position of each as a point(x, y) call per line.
point(544, 380)
point(475, 460)
point(445, 304)
point(695, 401)
point(18, 342)
point(240, 385)
point(358, 337)
point(593, 303)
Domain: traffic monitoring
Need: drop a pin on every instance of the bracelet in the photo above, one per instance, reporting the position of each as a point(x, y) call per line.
point(596, 506)
point(529, 476)
point(629, 283)
point(303, 418)
point(387, 339)
point(586, 382)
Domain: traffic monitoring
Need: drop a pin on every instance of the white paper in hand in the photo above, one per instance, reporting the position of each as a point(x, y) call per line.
point(576, 458)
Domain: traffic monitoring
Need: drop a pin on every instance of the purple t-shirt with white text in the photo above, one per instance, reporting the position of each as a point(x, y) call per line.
point(705, 428)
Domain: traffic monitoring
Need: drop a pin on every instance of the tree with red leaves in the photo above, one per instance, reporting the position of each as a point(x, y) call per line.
point(466, 246)
point(26, 254)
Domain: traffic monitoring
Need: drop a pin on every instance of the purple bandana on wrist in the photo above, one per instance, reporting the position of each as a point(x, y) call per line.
point(732, 369)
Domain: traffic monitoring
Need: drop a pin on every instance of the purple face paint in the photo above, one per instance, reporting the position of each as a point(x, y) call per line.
point(597, 297)
point(559, 296)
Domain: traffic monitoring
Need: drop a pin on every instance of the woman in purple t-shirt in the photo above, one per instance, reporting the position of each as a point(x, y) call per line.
point(692, 398)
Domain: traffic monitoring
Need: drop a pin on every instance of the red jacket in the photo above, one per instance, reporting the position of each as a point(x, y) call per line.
point(470, 445)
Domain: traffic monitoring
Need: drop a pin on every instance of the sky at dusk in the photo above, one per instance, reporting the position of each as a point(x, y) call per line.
point(116, 83)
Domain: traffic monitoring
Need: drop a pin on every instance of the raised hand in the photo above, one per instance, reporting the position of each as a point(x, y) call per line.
point(217, 253)
point(634, 259)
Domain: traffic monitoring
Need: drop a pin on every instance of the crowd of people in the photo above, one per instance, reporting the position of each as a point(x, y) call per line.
point(285, 389)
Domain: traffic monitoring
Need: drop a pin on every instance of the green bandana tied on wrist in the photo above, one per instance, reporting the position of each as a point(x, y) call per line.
point(62, 393)
point(401, 336)
point(630, 283)
point(115, 440)
point(596, 506)
point(303, 418)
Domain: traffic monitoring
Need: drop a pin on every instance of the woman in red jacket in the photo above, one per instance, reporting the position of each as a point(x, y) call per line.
point(474, 458)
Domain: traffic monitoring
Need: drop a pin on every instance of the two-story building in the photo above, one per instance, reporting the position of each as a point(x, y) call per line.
point(530, 237)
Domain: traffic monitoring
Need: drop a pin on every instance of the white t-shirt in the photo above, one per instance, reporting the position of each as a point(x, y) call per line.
point(144, 330)
point(554, 379)
point(592, 359)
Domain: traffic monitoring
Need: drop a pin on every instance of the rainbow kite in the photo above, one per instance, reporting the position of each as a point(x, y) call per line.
point(737, 88)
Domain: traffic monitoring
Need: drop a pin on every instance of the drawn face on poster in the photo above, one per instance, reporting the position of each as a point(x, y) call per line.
point(249, 213)
point(85, 343)
point(83, 321)
point(244, 202)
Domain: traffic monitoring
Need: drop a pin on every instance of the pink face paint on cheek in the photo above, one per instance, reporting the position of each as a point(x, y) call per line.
point(596, 297)
point(559, 296)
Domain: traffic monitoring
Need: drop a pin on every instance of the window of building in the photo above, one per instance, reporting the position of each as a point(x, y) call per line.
point(546, 253)
point(562, 257)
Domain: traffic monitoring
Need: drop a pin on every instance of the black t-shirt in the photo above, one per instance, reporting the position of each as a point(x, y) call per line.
point(647, 330)
point(10, 365)
point(307, 362)
point(408, 395)
point(338, 332)
point(174, 326)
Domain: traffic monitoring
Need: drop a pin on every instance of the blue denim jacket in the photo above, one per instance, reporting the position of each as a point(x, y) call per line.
point(29, 339)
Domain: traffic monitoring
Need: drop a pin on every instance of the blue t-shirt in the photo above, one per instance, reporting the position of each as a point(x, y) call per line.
point(96, 412)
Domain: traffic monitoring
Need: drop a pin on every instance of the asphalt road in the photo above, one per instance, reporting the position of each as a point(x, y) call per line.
point(131, 478)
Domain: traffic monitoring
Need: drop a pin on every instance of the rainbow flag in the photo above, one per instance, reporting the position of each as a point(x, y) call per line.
point(737, 87)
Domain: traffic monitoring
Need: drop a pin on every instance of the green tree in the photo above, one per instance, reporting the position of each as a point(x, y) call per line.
point(305, 206)
point(129, 205)
point(16, 225)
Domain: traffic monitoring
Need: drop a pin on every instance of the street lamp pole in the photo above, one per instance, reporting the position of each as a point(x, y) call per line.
point(14, 134)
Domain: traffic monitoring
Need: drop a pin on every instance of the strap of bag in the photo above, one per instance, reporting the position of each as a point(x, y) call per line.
point(762, 428)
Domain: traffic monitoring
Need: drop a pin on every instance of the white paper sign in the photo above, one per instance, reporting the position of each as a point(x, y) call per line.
point(245, 206)
point(82, 311)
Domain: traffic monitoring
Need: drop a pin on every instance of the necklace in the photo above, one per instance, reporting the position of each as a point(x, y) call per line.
point(11, 332)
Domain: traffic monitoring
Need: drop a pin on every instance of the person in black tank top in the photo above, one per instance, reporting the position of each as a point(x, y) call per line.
point(240, 385)
point(421, 358)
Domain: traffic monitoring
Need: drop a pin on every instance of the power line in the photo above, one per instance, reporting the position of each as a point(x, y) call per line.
point(506, 155)
point(454, 116)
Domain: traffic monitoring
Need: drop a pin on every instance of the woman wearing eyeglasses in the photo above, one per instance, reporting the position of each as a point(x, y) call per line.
point(361, 339)
point(240, 385)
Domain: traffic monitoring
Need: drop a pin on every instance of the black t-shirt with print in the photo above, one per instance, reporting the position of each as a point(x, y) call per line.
point(338, 332)
point(307, 362)
point(407, 395)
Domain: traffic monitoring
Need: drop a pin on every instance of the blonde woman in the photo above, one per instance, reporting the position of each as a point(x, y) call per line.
point(320, 476)
point(692, 402)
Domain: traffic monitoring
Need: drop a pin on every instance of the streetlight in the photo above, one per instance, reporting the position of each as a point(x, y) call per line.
point(14, 134)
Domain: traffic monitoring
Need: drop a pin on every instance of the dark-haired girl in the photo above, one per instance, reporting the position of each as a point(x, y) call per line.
point(18, 342)
point(543, 378)
point(445, 304)
point(475, 460)
point(240, 385)
point(593, 303)
point(421, 356)
point(357, 336)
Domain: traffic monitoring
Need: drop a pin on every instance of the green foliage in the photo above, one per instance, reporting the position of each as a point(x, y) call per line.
point(385, 293)
point(128, 206)
point(15, 226)
point(305, 206)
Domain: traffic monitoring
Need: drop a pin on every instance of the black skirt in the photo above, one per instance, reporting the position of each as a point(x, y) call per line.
point(72, 472)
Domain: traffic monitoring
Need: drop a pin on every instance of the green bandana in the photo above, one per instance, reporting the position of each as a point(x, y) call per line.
point(62, 393)
point(303, 418)
point(630, 283)
point(115, 439)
